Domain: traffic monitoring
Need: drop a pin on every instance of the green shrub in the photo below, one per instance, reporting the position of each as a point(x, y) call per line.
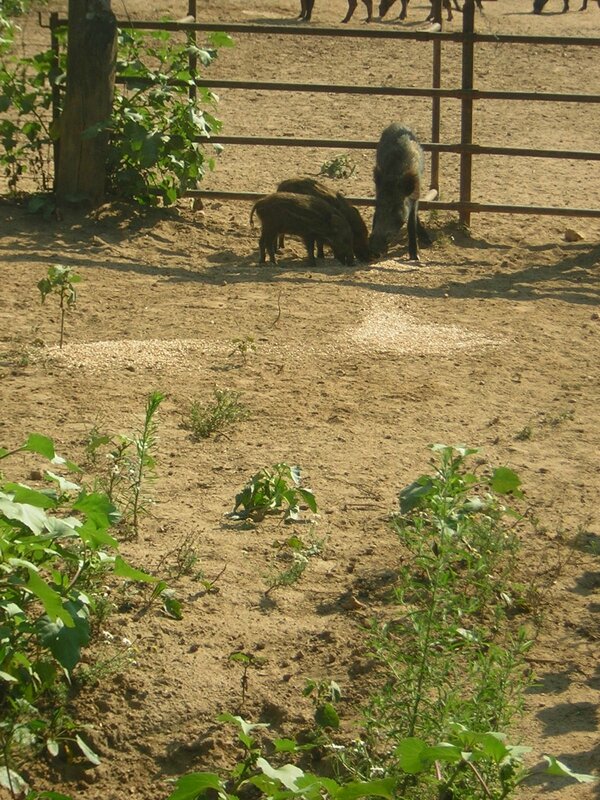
point(55, 552)
point(273, 490)
point(225, 410)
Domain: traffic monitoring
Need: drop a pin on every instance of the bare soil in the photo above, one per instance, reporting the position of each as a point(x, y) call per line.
point(492, 340)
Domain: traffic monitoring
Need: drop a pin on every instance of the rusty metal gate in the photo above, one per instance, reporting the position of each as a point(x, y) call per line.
point(466, 93)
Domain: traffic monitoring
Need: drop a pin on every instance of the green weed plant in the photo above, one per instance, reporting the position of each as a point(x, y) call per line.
point(225, 411)
point(56, 549)
point(60, 281)
point(273, 490)
point(131, 467)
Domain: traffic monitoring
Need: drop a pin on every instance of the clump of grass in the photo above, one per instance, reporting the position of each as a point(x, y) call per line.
point(224, 411)
point(524, 434)
point(341, 166)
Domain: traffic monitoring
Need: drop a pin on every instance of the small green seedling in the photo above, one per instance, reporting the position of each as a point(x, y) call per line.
point(248, 661)
point(242, 348)
point(296, 553)
point(273, 490)
point(205, 418)
point(324, 694)
point(341, 166)
point(60, 280)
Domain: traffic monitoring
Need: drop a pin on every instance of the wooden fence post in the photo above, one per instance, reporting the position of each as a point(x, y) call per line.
point(436, 103)
point(466, 112)
point(91, 63)
point(192, 60)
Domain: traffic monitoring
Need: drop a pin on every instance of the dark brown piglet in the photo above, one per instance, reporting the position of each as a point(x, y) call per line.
point(310, 218)
point(360, 233)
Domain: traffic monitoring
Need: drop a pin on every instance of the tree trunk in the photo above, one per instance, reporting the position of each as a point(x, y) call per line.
point(91, 63)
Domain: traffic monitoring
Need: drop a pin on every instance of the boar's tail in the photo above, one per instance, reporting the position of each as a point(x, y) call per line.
point(252, 213)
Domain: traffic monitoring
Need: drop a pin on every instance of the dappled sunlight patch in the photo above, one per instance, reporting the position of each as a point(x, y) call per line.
point(389, 326)
point(134, 353)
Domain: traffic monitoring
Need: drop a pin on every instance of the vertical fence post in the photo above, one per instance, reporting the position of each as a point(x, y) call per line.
point(436, 82)
point(466, 123)
point(54, 71)
point(192, 59)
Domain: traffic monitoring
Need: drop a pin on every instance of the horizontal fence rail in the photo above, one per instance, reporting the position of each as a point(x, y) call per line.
point(391, 91)
point(489, 208)
point(467, 94)
point(348, 33)
point(432, 147)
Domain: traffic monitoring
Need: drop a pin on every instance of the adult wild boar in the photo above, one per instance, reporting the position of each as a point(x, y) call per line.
point(306, 9)
point(398, 175)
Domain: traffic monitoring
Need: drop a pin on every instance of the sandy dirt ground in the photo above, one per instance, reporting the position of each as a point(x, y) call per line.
point(492, 340)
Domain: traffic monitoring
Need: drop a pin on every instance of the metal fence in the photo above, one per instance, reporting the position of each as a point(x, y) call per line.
point(466, 93)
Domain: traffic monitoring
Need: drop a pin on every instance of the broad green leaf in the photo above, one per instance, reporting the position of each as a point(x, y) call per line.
point(240, 658)
point(94, 536)
point(326, 716)
point(65, 643)
point(64, 485)
point(24, 494)
point(444, 752)
point(32, 517)
point(412, 755)
point(383, 787)
point(411, 496)
point(309, 499)
point(505, 481)
point(12, 781)
point(52, 747)
point(493, 746)
point(191, 786)
point(285, 745)
point(69, 526)
point(22, 562)
point(51, 600)
point(124, 570)
point(245, 727)
point(43, 445)
point(556, 767)
point(287, 775)
point(11, 609)
point(221, 39)
point(97, 507)
point(87, 751)
point(172, 606)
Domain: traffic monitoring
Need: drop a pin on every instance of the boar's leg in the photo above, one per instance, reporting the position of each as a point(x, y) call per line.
point(351, 9)
point(413, 249)
point(267, 242)
point(280, 242)
point(369, 7)
point(307, 8)
point(320, 251)
point(402, 14)
point(309, 243)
